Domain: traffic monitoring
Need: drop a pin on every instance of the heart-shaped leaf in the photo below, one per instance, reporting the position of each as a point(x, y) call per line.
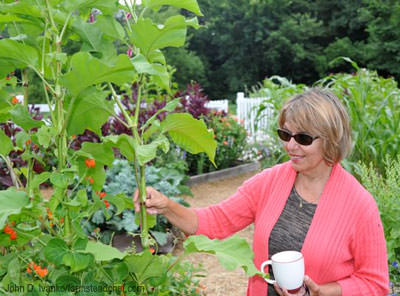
point(232, 252)
point(190, 133)
point(88, 70)
point(12, 202)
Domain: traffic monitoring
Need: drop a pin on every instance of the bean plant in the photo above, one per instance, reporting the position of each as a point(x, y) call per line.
point(86, 54)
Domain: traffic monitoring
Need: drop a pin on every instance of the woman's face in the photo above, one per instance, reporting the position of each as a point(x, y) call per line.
point(304, 159)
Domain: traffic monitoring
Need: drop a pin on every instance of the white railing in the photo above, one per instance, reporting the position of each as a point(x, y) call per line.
point(219, 105)
point(247, 109)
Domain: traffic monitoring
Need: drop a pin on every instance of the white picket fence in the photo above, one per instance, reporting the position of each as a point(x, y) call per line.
point(247, 109)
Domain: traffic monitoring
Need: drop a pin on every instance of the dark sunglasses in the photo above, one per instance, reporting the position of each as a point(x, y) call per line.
point(301, 138)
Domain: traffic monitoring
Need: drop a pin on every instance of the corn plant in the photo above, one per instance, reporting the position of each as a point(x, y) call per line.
point(373, 104)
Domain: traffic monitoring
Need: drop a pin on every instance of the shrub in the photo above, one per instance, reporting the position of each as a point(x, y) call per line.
point(231, 138)
point(386, 191)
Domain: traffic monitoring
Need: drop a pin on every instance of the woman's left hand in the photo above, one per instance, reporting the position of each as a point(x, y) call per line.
point(313, 289)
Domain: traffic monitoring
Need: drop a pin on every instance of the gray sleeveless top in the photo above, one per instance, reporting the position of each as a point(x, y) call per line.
point(291, 228)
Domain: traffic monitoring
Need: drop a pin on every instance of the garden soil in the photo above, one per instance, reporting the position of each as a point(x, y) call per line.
point(218, 281)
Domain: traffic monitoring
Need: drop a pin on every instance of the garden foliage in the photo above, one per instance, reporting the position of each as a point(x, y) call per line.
point(43, 243)
point(386, 190)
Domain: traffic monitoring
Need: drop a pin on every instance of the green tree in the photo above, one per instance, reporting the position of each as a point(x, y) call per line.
point(242, 42)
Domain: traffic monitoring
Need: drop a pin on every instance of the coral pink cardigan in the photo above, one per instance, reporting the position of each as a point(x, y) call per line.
point(345, 242)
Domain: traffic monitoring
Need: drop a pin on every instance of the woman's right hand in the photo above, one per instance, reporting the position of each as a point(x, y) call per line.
point(156, 202)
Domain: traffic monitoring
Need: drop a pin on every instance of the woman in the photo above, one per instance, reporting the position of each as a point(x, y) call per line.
point(310, 204)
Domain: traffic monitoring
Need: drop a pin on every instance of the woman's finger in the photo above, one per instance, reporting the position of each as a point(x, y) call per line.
point(312, 286)
point(278, 289)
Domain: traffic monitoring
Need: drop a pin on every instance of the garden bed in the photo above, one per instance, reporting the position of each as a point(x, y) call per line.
point(224, 173)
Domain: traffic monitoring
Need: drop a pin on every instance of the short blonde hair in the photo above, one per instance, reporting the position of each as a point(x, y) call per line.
point(320, 113)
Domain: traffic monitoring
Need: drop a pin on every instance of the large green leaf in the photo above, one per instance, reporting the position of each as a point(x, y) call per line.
point(23, 8)
point(142, 65)
point(110, 27)
point(190, 133)
point(21, 117)
point(232, 252)
point(101, 152)
point(125, 144)
point(77, 261)
point(6, 145)
point(106, 6)
point(158, 70)
point(104, 252)
point(149, 37)
point(148, 152)
point(145, 266)
point(12, 202)
point(190, 5)
point(144, 153)
point(90, 110)
point(55, 250)
point(18, 54)
point(93, 39)
point(88, 70)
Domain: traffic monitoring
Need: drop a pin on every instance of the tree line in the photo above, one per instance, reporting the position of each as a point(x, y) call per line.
point(244, 41)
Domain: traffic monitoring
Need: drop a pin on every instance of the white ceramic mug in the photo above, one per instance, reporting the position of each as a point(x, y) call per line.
point(288, 268)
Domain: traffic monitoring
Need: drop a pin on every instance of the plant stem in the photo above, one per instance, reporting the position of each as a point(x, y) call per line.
point(143, 215)
point(120, 106)
point(16, 181)
point(25, 85)
point(51, 15)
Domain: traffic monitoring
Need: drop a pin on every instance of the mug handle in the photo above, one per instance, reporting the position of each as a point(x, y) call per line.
point(268, 262)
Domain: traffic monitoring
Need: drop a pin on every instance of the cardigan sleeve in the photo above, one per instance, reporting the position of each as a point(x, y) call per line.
point(370, 261)
point(233, 214)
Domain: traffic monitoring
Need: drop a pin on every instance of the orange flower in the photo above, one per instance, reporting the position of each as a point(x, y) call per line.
point(102, 195)
point(106, 203)
point(91, 181)
point(28, 142)
point(28, 270)
point(7, 229)
point(90, 162)
point(225, 142)
point(42, 272)
point(152, 250)
point(49, 215)
point(62, 220)
point(14, 100)
point(13, 235)
point(8, 78)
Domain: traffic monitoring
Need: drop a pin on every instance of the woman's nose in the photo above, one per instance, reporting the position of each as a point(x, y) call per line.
point(292, 144)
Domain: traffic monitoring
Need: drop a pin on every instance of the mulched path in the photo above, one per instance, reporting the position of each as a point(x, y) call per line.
point(218, 281)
